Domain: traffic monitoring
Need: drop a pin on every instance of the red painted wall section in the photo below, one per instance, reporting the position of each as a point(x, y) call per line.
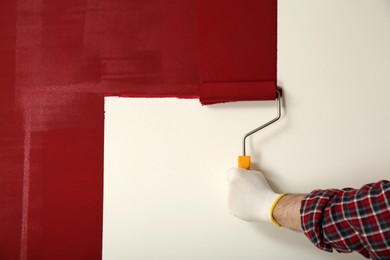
point(11, 139)
point(237, 50)
point(58, 61)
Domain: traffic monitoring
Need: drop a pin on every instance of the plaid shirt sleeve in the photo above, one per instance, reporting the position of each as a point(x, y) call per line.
point(349, 219)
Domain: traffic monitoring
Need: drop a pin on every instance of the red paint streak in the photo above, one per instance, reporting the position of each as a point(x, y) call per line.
point(151, 96)
point(58, 61)
point(26, 186)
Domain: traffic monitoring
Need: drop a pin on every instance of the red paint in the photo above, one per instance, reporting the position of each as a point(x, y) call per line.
point(11, 139)
point(237, 47)
point(58, 61)
point(212, 93)
point(237, 41)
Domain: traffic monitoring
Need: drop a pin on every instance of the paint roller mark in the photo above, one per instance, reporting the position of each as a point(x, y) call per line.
point(26, 186)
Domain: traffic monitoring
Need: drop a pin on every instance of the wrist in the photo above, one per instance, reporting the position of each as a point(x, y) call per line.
point(287, 211)
point(271, 215)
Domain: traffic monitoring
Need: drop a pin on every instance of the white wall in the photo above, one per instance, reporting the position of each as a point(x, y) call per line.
point(165, 189)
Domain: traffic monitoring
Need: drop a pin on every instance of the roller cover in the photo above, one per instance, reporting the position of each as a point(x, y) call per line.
point(212, 93)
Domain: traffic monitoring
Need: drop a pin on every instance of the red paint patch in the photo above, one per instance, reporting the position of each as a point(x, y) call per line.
point(60, 58)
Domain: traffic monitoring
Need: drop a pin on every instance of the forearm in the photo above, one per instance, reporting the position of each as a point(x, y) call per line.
point(332, 217)
point(345, 220)
point(287, 211)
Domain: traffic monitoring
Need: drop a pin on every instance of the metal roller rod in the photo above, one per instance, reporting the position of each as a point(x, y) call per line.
point(264, 125)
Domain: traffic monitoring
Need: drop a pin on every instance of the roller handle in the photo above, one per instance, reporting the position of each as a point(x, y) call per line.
point(244, 162)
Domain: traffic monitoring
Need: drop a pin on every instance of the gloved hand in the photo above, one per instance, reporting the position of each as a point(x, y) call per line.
point(250, 198)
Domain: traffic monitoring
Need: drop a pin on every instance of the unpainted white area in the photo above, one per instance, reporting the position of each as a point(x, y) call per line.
point(164, 182)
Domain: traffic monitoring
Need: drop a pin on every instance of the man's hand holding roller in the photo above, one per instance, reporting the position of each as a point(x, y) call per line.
point(250, 198)
point(329, 218)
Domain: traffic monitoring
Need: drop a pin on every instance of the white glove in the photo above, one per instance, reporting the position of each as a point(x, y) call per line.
point(250, 198)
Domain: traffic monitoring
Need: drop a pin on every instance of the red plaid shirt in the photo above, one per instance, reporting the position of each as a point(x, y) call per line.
point(350, 219)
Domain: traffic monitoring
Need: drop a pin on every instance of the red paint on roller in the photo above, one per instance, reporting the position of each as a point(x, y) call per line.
point(212, 93)
point(60, 58)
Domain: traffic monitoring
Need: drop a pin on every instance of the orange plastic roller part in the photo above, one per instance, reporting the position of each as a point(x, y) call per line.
point(244, 162)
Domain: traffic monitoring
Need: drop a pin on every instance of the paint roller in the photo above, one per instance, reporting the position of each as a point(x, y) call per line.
point(212, 93)
point(237, 52)
point(244, 161)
